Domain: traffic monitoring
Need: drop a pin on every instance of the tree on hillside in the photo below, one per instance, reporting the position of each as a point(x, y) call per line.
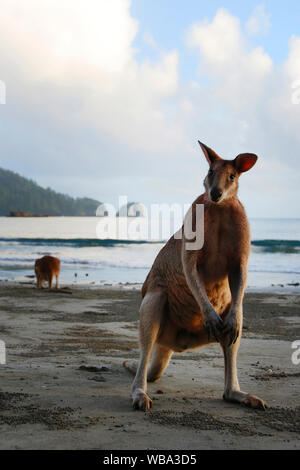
point(19, 194)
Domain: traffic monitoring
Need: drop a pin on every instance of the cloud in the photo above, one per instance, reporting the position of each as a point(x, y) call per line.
point(292, 65)
point(88, 117)
point(77, 91)
point(88, 53)
point(218, 41)
point(253, 98)
point(58, 35)
point(239, 74)
point(259, 22)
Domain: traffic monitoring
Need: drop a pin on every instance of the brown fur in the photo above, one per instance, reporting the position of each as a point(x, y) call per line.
point(45, 268)
point(194, 297)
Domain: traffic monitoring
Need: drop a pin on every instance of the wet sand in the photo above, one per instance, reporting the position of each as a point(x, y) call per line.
point(64, 387)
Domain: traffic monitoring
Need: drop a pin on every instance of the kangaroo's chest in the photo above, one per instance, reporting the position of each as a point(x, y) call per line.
point(226, 242)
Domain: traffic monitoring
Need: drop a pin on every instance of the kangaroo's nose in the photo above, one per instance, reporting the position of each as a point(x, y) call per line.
point(215, 194)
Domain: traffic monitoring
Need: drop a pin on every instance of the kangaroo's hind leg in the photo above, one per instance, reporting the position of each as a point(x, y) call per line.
point(160, 358)
point(232, 390)
point(50, 278)
point(159, 361)
point(151, 317)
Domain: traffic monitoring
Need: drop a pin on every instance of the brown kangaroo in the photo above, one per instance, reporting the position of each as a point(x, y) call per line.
point(195, 297)
point(45, 268)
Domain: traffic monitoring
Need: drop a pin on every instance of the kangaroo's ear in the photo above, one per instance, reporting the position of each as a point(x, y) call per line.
point(245, 161)
point(210, 155)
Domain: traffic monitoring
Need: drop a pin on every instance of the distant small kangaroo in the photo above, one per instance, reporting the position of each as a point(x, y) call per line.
point(192, 298)
point(45, 268)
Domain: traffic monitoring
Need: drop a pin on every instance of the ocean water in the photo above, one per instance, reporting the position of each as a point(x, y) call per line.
point(89, 256)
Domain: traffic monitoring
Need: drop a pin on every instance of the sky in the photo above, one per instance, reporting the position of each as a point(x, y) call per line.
point(108, 98)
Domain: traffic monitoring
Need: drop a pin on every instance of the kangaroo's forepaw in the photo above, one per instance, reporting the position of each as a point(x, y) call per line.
point(231, 330)
point(213, 325)
point(254, 402)
point(141, 401)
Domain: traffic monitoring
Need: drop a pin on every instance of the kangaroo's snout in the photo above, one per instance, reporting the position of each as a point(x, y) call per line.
point(216, 194)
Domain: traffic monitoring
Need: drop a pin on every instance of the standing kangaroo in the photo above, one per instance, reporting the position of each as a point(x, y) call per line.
point(45, 268)
point(195, 297)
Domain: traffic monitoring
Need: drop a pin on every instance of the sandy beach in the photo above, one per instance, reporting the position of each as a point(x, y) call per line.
point(63, 385)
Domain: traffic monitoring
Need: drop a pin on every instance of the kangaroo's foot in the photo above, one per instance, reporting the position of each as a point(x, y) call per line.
point(141, 401)
point(245, 399)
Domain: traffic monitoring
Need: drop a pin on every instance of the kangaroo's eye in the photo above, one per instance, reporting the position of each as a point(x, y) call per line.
point(210, 173)
point(232, 176)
